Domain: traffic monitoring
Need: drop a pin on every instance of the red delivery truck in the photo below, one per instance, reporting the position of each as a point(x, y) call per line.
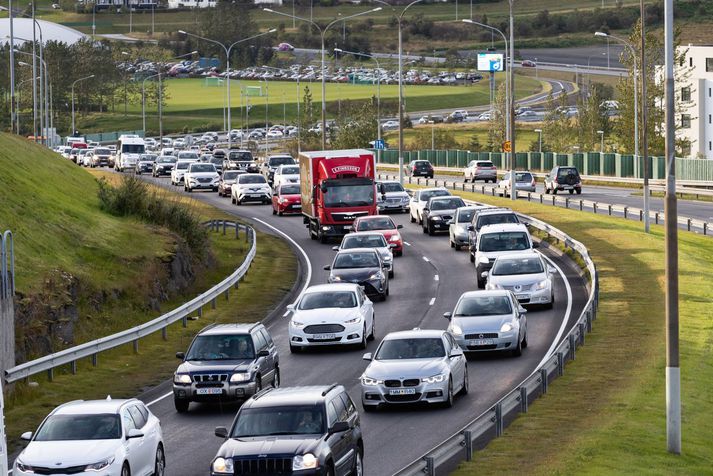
point(336, 187)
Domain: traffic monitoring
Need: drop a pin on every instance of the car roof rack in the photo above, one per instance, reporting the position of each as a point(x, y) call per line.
point(329, 389)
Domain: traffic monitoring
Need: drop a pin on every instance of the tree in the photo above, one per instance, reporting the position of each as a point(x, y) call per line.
point(356, 126)
point(591, 118)
point(497, 125)
point(442, 139)
point(558, 125)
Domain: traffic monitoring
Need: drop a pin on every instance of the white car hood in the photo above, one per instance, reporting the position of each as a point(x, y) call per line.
point(248, 186)
point(513, 279)
point(481, 324)
point(212, 175)
point(289, 178)
point(404, 368)
point(495, 254)
point(68, 453)
point(325, 315)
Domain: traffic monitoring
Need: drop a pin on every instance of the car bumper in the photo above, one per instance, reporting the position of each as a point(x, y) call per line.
point(375, 395)
point(422, 173)
point(461, 240)
point(352, 334)
point(485, 176)
point(540, 296)
point(504, 341)
point(207, 186)
point(289, 207)
point(254, 197)
point(386, 206)
point(568, 187)
point(439, 225)
point(113, 469)
point(228, 391)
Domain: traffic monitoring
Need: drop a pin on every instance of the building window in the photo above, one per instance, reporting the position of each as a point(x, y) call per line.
point(685, 121)
point(709, 65)
point(686, 94)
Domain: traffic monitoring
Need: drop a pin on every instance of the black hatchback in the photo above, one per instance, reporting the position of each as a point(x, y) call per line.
point(420, 168)
point(298, 430)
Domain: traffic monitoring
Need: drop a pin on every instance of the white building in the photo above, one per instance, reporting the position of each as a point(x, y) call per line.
point(696, 121)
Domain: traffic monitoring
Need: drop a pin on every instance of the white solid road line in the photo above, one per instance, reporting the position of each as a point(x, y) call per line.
point(407, 243)
point(435, 278)
point(159, 399)
point(432, 301)
point(563, 326)
point(426, 259)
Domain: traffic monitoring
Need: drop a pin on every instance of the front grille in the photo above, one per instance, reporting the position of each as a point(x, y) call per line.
point(210, 378)
point(335, 339)
point(482, 347)
point(403, 398)
point(392, 383)
point(523, 288)
point(484, 335)
point(204, 179)
point(263, 466)
point(69, 470)
point(324, 329)
point(409, 382)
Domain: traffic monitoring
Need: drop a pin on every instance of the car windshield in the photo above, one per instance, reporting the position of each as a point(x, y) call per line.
point(417, 348)
point(221, 347)
point(505, 241)
point(356, 260)
point(230, 175)
point(166, 160)
point(269, 421)
point(290, 190)
point(215, 161)
point(363, 241)
point(133, 148)
point(277, 161)
point(348, 193)
point(483, 306)
point(465, 216)
point(202, 168)
point(187, 156)
point(392, 187)
point(496, 219)
point(240, 156)
point(425, 196)
point(290, 170)
point(450, 204)
point(380, 223)
point(182, 165)
point(101, 426)
point(328, 299)
point(510, 266)
point(251, 179)
point(102, 152)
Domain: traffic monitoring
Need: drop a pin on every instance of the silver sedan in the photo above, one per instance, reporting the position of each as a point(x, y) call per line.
point(414, 366)
point(366, 239)
point(524, 182)
point(458, 226)
point(525, 274)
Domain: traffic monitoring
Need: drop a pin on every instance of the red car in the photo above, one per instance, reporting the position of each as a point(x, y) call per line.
point(386, 226)
point(286, 199)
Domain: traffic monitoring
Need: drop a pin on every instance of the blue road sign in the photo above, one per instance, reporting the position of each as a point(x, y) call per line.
point(379, 144)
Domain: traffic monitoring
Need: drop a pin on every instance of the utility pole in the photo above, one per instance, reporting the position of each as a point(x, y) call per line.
point(673, 369)
point(644, 119)
point(511, 105)
point(13, 109)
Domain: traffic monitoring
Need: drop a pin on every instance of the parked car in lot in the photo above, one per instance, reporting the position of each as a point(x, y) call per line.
point(391, 196)
point(414, 366)
point(201, 176)
point(480, 170)
point(361, 266)
point(563, 178)
point(419, 168)
point(489, 321)
point(458, 225)
point(250, 188)
point(226, 362)
point(286, 199)
point(296, 430)
point(527, 275)
point(163, 166)
point(390, 126)
point(524, 181)
point(369, 239)
point(331, 314)
point(108, 437)
point(384, 225)
point(438, 213)
point(227, 180)
point(496, 240)
point(420, 198)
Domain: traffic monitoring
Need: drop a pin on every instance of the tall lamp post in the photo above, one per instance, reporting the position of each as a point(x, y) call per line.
point(647, 221)
point(228, 49)
point(509, 95)
point(539, 139)
point(323, 32)
point(601, 147)
point(19, 90)
point(39, 103)
point(73, 84)
point(143, 100)
point(378, 93)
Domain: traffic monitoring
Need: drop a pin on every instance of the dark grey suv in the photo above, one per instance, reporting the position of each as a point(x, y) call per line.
point(298, 430)
point(226, 362)
point(563, 178)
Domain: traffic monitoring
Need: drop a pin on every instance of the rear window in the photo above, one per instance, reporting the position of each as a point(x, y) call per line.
point(277, 161)
point(484, 164)
point(523, 177)
point(505, 241)
point(565, 172)
point(240, 156)
point(496, 219)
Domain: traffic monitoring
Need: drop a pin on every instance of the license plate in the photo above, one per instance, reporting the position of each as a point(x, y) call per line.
point(296, 206)
point(347, 227)
point(209, 391)
point(402, 391)
point(481, 342)
point(522, 296)
point(255, 195)
point(323, 336)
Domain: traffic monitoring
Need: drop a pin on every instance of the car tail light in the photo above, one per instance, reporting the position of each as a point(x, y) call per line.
point(533, 182)
point(555, 180)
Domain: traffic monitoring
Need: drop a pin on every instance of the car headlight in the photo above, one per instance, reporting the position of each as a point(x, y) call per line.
point(493, 286)
point(298, 324)
point(335, 279)
point(543, 284)
point(306, 461)
point(378, 275)
point(436, 218)
point(100, 465)
point(483, 260)
point(353, 321)
point(405, 200)
point(25, 468)
point(388, 258)
point(370, 382)
point(240, 377)
point(434, 379)
point(283, 200)
point(223, 466)
point(507, 327)
point(182, 378)
point(395, 238)
point(455, 329)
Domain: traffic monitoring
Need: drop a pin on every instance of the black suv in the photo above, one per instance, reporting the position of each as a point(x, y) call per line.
point(438, 213)
point(487, 216)
point(563, 178)
point(240, 160)
point(273, 162)
point(297, 430)
point(226, 362)
point(420, 168)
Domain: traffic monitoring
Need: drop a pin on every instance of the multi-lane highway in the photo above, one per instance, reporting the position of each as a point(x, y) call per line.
point(429, 278)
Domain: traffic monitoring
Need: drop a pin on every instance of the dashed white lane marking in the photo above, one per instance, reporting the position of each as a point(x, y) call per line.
point(432, 301)
point(435, 278)
point(426, 259)
point(159, 399)
point(407, 243)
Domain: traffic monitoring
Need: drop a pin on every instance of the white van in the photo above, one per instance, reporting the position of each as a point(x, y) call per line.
point(128, 151)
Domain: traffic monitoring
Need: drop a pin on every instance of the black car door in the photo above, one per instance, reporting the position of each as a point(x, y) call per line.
point(342, 453)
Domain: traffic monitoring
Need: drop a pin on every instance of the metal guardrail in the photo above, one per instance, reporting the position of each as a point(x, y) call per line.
point(491, 423)
point(91, 349)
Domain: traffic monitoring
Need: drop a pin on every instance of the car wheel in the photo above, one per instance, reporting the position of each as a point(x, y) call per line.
point(457, 247)
point(181, 405)
point(453, 245)
point(391, 274)
point(517, 351)
point(464, 390)
point(431, 231)
point(423, 227)
point(448, 403)
point(399, 253)
point(125, 470)
point(274, 212)
point(372, 336)
point(160, 464)
point(465, 179)
point(413, 220)
point(571, 191)
point(276, 378)
point(362, 343)
point(481, 283)
point(369, 408)
point(472, 257)
point(554, 191)
point(579, 191)
point(524, 340)
point(238, 201)
point(358, 469)
point(258, 383)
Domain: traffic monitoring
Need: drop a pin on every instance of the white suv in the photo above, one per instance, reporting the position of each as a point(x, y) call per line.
point(199, 176)
point(498, 240)
point(250, 188)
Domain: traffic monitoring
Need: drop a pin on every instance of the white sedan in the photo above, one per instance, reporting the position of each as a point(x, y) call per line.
point(107, 437)
point(331, 314)
point(526, 275)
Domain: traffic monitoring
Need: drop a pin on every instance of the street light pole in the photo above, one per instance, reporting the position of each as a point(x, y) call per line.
point(143, 100)
point(511, 77)
point(13, 109)
point(73, 84)
point(601, 147)
point(323, 32)
point(539, 139)
point(433, 135)
point(227, 50)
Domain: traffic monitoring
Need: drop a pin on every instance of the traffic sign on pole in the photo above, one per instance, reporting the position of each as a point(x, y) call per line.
point(507, 147)
point(380, 144)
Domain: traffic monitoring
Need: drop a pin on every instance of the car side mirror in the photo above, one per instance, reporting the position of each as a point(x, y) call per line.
point(454, 354)
point(385, 265)
point(340, 427)
point(535, 244)
point(367, 356)
point(448, 315)
point(327, 267)
point(26, 436)
point(425, 209)
point(551, 270)
point(335, 248)
point(221, 432)
point(392, 245)
point(470, 228)
point(290, 308)
point(134, 433)
point(180, 355)
point(450, 222)
point(484, 274)
point(399, 227)
point(522, 310)
point(263, 353)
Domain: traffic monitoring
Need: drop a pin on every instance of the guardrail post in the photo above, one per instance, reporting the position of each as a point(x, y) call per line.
point(581, 205)
point(566, 202)
point(595, 208)
point(609, 209)
point(430, 466)
point(542, 197)
point(543, 380)
point(468, 443)
point(236, 231)
point(184, 321)
point(688, 224)
point(73, 367)
point(641, 215)
point(589, 321)
point(164, 334)
point(136, 346)
point(227, 294)
point(212, 303)
point(560, 363)
point(50, 374)
point(626, 210)
point(247, 234)
point(572, 346)
point(582, 331)
point(656, 215)
point(224, 226)
point(498, 419)
point(553, 200)
point(94, 360)
point(523, 399)
point(529, 196)
point(200, 311)
point(705, 227)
